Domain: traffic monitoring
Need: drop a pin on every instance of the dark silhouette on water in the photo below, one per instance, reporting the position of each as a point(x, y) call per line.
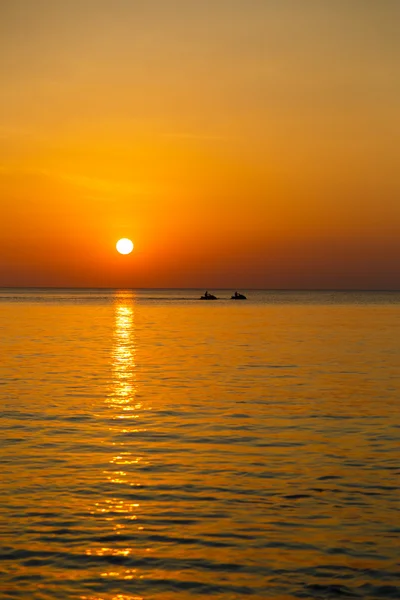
point(208, 296)
point(237, 296)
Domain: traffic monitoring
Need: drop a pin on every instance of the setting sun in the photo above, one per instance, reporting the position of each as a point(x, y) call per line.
point(124, 246)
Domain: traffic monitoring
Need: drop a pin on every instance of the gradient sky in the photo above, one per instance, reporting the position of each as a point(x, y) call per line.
point(238, 143)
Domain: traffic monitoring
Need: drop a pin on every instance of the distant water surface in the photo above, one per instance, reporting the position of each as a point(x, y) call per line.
point(154, 446)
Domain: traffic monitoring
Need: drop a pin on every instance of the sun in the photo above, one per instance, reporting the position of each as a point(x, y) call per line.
point(124, 246)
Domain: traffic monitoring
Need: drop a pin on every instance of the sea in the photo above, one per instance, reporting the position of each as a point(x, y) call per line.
point(155, 446)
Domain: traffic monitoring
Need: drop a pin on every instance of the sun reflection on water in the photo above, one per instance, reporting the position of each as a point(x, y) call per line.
point(123, 405)
point(123, 359)
point(123, 396)
point(119, 509)
point(117, 597)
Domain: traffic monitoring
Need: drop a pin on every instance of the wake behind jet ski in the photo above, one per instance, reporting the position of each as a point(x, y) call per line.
point(208, 296)
point(237, 296)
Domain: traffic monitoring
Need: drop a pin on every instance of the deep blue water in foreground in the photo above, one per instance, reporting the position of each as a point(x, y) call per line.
point(157, 447)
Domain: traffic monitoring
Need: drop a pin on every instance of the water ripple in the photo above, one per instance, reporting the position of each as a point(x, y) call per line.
point(157, 449)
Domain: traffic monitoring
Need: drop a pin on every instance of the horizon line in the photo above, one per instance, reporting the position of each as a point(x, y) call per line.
point(45, 287)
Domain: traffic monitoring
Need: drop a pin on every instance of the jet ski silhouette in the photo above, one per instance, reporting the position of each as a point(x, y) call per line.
point(208, 296)
point(237, 296)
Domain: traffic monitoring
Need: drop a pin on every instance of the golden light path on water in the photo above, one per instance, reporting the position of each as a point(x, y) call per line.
point(125, 409)
point(123, 359)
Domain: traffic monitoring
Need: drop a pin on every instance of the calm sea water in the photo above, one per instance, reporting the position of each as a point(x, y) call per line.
point(155, 446)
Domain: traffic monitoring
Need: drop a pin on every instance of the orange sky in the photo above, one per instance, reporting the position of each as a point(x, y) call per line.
point(244, 143)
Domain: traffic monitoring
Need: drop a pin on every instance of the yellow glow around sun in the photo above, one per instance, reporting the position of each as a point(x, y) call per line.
point(124, 246)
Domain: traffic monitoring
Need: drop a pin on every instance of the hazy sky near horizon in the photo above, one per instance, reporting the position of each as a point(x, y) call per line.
point(244, 143)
